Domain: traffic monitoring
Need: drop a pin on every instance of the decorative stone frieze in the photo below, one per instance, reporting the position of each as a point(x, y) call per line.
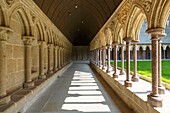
point(122, 15)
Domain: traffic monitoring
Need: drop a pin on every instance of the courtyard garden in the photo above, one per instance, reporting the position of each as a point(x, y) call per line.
point(144, 68)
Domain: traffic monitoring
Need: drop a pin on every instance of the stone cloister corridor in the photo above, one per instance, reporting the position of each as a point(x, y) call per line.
point(60, 56)
point(78, 90)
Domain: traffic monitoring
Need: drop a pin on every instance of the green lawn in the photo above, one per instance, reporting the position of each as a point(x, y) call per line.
point(144, 68)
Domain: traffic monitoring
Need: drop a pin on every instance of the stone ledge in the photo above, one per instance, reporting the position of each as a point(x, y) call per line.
point(146, 78)
point(131, 99)
point(23, 99)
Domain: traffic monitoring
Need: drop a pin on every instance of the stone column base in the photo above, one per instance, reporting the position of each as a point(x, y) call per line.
point(161, 90)
point(108, 71)
point(5, 99)
point(42, 77)
point(128, 83)
point(135, 78)
point(155, 101)
point(28, 84)
point(103, 68)
point(122, 73)
point(115, 75)
point(50, 72)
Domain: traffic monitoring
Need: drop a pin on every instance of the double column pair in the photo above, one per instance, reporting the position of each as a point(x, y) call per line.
point(154, 98)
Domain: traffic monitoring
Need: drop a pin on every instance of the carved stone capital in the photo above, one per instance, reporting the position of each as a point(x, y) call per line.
point(4, 33)
point(28, 40)
point(128, 39)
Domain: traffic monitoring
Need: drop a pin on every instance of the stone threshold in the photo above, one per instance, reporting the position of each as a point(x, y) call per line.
point(136, 96)
point(22, 99)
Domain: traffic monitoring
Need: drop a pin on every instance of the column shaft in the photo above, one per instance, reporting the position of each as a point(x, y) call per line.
point(135, 77)
point(128, 82)
point(104, 58)
point(42, 74)
point(153, 98)
point(115, 75)
point(161, 89)
point(28, 61)
point(122, 72)
point(108, 59)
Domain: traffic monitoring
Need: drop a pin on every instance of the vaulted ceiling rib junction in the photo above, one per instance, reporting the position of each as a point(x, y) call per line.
point(78, 20)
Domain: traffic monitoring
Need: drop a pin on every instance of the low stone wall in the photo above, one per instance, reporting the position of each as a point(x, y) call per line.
point(26, 97)
point(131, 99)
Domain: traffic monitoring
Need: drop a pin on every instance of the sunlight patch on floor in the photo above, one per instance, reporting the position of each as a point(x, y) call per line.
point(85, 95)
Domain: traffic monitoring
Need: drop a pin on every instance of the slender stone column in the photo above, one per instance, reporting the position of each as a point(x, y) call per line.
point(100, 57)
point(161, 89)
point(108, 59)
point(55, 58)
point(42, 74)
point(115, 74)
point(154, 98)
point(59, 58)
point(28, 61)
point(135, 77)
point(50, 50)
point(96, 59)
point(128, 82)
point(4, 98)
point(122, 72)
point(104, 58)
point(164, 52)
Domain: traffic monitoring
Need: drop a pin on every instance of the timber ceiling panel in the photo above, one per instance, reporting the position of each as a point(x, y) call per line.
point(78, 20)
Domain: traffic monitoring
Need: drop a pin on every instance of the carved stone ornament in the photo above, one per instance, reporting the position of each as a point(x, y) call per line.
point(9, 2)
point(28, 40)
point(147, 5)
point(33, 17)
point(4, 33)
point(122, 15)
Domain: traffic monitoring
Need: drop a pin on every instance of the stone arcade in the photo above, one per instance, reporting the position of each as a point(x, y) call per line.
point(40, 39)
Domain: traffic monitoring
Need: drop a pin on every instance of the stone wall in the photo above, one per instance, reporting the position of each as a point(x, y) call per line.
point(28, 41)
point(80, 53)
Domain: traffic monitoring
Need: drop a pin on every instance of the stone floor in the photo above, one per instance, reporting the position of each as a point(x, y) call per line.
point(78, 90)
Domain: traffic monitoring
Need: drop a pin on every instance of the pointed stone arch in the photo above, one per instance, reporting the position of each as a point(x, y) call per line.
point(24, 18)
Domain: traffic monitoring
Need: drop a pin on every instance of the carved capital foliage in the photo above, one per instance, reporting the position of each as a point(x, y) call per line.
point(9, 2)
point(122, 15)
point(28, 40)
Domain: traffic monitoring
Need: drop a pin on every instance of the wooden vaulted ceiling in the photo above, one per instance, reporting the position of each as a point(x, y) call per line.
point(78, 20)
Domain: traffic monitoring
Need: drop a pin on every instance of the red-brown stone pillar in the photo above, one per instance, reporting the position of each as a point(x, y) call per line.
point(122, 72)
point(104, 57)
point(128, 82)
point(100, 57)
point(115, 74)
point(161, 89)
point(4, 98)
point(154, 98)
point(135, 77)
point(42, 60)
point(108, 59)
point(28, 61)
